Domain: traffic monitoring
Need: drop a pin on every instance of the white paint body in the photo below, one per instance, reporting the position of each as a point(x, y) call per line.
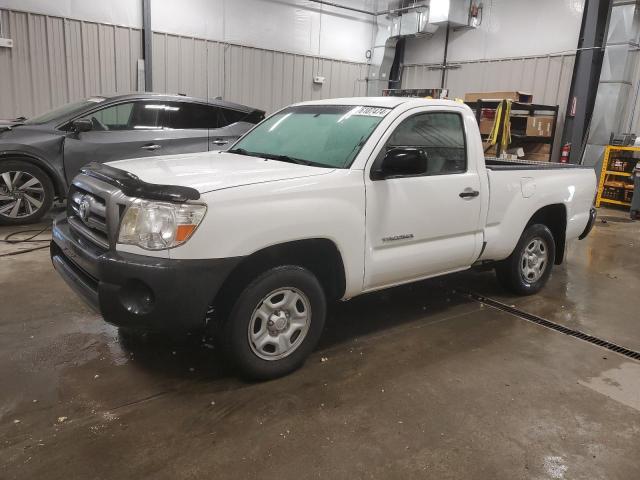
point(255, 203)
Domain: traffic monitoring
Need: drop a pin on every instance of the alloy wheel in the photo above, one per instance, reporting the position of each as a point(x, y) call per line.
point(21, 194)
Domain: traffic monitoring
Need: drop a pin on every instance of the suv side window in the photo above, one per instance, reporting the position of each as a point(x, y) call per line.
point(114, 117)
point(127, 116)
point(229, 116)
point(186, 115)
point(440, 135)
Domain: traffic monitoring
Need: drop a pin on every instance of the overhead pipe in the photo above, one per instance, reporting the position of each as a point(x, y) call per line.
point(366, 12)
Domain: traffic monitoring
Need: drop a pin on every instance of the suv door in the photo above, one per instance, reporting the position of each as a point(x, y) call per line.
point(187, 126)
point(232, 125)
point(124, 130)
point(419, 225)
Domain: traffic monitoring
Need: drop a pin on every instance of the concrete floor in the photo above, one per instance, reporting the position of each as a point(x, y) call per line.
point(416, 382)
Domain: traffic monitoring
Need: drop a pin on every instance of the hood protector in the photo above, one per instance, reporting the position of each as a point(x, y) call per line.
point(132, 186)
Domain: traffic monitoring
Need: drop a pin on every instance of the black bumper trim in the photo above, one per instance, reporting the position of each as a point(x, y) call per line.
point(137, 291)
point(590, 223)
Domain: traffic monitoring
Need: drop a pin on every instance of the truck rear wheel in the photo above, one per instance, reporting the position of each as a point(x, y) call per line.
point(275, 322)
point(529, 266)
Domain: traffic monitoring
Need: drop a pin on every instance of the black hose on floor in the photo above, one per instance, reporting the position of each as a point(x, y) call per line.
point(31, 239)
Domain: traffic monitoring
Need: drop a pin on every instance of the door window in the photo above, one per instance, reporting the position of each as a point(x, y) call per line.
point(115, 117)
point(184, 115)
point(440, 135)
point(229, 116)
point(127, 116)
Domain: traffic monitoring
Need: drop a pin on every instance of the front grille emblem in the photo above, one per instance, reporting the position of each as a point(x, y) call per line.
point(84, 209)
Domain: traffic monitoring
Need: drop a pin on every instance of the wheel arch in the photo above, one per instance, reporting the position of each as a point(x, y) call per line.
point(554, 217)
point(319, 255)
point(59, 185)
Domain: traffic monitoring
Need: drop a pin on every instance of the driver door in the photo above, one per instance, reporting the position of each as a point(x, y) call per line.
point(124, 130)
point(427, 223)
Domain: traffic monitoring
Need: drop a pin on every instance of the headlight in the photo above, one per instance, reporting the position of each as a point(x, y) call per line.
point(159, 225)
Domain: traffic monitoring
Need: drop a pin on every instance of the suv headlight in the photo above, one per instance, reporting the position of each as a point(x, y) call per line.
point(159, 225)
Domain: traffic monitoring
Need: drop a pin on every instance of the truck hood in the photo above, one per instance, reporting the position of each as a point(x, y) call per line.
point(208, 171)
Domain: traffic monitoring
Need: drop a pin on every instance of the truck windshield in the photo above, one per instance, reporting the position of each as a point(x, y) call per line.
point(320, 135)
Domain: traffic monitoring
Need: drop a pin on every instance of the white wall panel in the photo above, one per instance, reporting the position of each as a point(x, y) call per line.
point(253, 76)
point(295, 26)
point(56, 60)
point(114, 12)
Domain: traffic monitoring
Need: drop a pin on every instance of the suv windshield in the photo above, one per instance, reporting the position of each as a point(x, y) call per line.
point(61, 112)
point(320, 135)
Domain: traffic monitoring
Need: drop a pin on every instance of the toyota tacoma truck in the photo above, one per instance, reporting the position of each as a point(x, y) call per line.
point(323, 200)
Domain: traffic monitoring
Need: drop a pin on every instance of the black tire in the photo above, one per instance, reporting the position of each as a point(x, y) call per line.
point(234, 339)
point(44, 197)
point(510, 271)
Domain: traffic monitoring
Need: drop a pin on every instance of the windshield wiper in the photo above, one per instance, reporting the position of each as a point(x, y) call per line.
point(273, 156)
point(288, 159)
point(242, 151)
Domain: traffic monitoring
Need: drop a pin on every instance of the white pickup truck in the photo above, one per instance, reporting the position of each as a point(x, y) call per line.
point(323, 200)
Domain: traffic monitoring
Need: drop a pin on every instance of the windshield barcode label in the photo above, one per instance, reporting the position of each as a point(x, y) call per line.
point(371, 111)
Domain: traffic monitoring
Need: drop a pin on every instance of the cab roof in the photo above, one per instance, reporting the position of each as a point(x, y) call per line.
point(386, 102)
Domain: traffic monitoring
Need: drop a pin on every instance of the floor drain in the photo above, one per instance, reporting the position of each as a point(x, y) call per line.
point(612, 219)
point(556, 326)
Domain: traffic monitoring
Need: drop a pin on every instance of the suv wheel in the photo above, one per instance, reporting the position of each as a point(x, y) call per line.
point(26, 193)
point(528, 268)
point(275, 323)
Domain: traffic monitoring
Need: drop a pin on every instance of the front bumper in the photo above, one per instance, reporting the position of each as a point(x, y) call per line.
point(590, 223)
point(137, 291)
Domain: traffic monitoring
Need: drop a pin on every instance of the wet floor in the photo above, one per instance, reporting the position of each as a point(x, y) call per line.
point(414, 382)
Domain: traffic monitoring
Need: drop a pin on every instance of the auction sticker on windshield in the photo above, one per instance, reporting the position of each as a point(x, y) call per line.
point(370, 111)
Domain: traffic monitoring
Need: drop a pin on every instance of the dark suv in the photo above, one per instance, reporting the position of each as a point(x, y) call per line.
point(40, 156)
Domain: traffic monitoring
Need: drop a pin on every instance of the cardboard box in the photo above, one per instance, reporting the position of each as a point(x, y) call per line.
point(540, 126)
point(486, 125)
point(521, 97)
point(538, 148)
point(537, 157)
point(489, 151)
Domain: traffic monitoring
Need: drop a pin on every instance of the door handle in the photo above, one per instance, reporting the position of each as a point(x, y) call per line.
point(469, 193)
point(151, 147)
point(221, 142)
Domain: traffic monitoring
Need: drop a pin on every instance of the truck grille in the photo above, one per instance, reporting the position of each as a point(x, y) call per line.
point(87, 214)
point(94, 208)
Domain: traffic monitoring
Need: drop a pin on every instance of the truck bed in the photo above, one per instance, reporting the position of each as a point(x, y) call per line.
point(494, 163)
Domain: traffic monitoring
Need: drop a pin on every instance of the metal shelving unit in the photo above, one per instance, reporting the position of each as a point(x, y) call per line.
point(607, 173)
point(531, 109)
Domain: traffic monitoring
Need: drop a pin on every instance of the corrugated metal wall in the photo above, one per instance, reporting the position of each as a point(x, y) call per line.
point(261, 78)
point(547, 77)
point(56, 60)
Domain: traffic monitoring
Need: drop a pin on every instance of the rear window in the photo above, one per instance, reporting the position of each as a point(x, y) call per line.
point(229, 116)
point(183, 115)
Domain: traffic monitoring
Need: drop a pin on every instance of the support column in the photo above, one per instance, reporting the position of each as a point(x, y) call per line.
point(147, 39)
point(586, 75)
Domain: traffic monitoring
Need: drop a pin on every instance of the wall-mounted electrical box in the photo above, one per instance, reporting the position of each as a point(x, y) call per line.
point(6, 42)
point(318, 80)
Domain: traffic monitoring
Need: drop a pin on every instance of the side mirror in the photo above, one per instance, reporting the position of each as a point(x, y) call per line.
point(400, 162)
point(82, 125)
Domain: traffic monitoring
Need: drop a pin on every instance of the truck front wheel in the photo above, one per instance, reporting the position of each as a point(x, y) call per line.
point(528, 268)
point(275, 322)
